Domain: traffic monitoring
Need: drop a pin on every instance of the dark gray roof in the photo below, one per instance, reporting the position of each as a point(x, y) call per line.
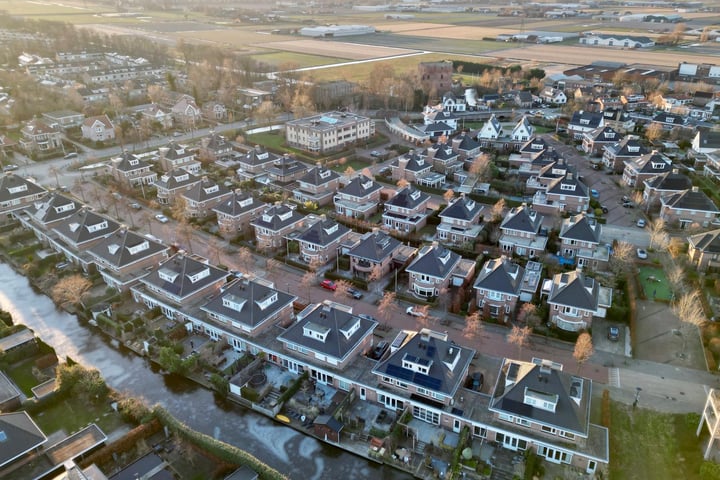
point(534, 145)
point(239, 204)
point(205, 190)
point(466, 142)
point(86, 225)
point(329, 421)
point(286, 165)
point(708, 138)
point(690, 200)
point(563, 186)
point(218, 143)
point(708, 242)
point(444, 153)
point(434, 260)
point(653, 162)
point(605, 134)
point(176, 152)
point(54, 207)
point(375, 246)
point(177, 178)
point(360, 186)
point(250, 303)
point(125, 247)
point(15, 187)
point(670, 182)
point(629, 146)
point(522, 219)
point(580, 227)
point(446, 363)
point(500, 275)
point(574, 289)
point(323, 233)
point(586, 119)
point(463, 208)
point(319, 175)
point(129, 162)
point(415, 162)
point(669, 118)
point(21, 436)
point(258, 156)
point(323, 328)
point(175, 275)
point(277, 217)
point(571, 394)
point(408, 198)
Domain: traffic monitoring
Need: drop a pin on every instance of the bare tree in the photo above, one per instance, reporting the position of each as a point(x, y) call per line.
point(376, 274)
point(307, 281)
point(342, 289)
point(689, 310)
point(388, 307)
point(676, 247)
point(473, 326)
point(497, 211)
point(519, 336)
point(402, 183)
point(528, 314)
point(583, 349)
point(448, 196)
point(271, 267)
point(147, 218)
point(186, 231)
point(676, 278)
point(213, 249)
point(71, 290)
point(349, 172)
point(480, 166)
point(654, 132)
point(622, 257)
point(658, 236)
point(246, 259)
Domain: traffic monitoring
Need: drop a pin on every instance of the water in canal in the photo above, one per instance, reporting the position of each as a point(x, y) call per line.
point(283, 448)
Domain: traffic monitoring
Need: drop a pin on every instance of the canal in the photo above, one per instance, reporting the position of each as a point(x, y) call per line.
point(285, 449)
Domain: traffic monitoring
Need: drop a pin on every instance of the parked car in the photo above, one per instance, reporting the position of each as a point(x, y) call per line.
point(62, 265)
point(604, 208)
point(642, 253)
point(135, 206)
point(71, 155)
point(328, 285)
point(613, 334)
point(628, 205)
point(414, 313)
point(365, 316)
point(594, 193)
point(379, 350)
point(641, 223)
point(161, 218)
point(354, 293)
point(10, 168)
point(375, 154)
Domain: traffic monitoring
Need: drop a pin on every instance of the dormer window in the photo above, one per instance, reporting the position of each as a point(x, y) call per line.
point(134, 162)
point(324, 174)
point(138, 248)
point(65, 208)
point(331, 229)
point(415, 195)
point(658, 165)
point(416, 364)
point(262, 156)
point(97, 227)
point(246, 202)
point(316, 331)
point(113, 248)
point(233, 302)
point(182, 178)
point(567, 186)
point(350, 327)
point(367, 185)
point(633, 148)
point(194, 278)
point(541, 400)
point(74, 226)
point(211, 189)
point(18, 189)
point(444, 257)
point(167, 275)
point(285, 216)
point(267, 301)
point(267, 218)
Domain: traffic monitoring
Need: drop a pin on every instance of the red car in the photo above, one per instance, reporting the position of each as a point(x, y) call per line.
point(328, 284)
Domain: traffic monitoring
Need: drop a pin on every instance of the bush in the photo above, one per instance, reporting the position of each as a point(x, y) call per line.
point(250, 394)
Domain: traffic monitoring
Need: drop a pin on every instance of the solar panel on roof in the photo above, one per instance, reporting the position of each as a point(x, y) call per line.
point(399, 372)
point(430, 350)
point(427, 381)
point(330, 120)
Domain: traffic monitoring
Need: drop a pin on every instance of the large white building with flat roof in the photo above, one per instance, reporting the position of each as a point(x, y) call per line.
point(327, 132)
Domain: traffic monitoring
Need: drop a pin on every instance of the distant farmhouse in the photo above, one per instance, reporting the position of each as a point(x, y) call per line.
point(624, 41)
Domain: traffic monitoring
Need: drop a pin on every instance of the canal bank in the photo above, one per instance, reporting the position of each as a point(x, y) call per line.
point(291, 452)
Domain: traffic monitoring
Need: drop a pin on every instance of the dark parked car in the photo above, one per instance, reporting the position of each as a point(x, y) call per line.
point(379, 350)
point(355, 293)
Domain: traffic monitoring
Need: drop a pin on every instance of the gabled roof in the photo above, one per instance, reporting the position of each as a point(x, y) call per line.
point(277, 217)
point(216, 143)
point(466, 143)
point(574, 289)
point(568, 185)
point(629, 146)
point(86, 225)
point(20, 436)
point(605, 134)
point(204, 190)
point(586, 119)
point(323, 233)
point(177, 178)
point(500, 275)
point(249, 303)
point(125, 247)
point(708, 138)
point(428, 360)
point(522, 219)
point(442, 152)
point(520, 384)
point(708, 242)
point(523, 123)
point(182, 275)
point(375, 246)
point(580, 227)
point(14, 187)
point(286, 165)
point(463, 208)
point(690, 200)
point(329, 329)
point(54, 207)
point(239, 204)
point(360, 186)
point(435, 261)
point(103, 119)
point(534, 145)
point(669, 181)
point(408, 198)
point(669, 118)
point(174, 151)
point(319, 176)
point(38, 127)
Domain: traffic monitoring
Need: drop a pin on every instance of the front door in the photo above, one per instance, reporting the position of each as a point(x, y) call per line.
point(362, 393)
point(456, 426)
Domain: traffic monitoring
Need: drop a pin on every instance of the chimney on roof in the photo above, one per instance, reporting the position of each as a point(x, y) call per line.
point(675, 171)
point(257, 148)
point(694, 188)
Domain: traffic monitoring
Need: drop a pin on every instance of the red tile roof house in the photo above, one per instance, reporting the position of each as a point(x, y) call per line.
point(38, 136)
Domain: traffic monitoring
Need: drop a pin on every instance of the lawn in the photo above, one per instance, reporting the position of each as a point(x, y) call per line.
point(72, 414)
point(278, 59)
point(21, 373)
point(654, 283)
point(646, 444)
point(356, 165)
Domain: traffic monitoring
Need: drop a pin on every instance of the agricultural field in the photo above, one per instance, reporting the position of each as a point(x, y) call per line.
point(335, 49)
point(278, 59)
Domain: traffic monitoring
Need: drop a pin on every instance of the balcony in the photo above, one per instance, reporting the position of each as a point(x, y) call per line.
point(569, 323)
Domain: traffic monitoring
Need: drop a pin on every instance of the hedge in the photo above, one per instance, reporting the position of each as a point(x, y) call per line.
point(123, 444)
point(293, 389)
point(221, 450)
point(357, 282)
